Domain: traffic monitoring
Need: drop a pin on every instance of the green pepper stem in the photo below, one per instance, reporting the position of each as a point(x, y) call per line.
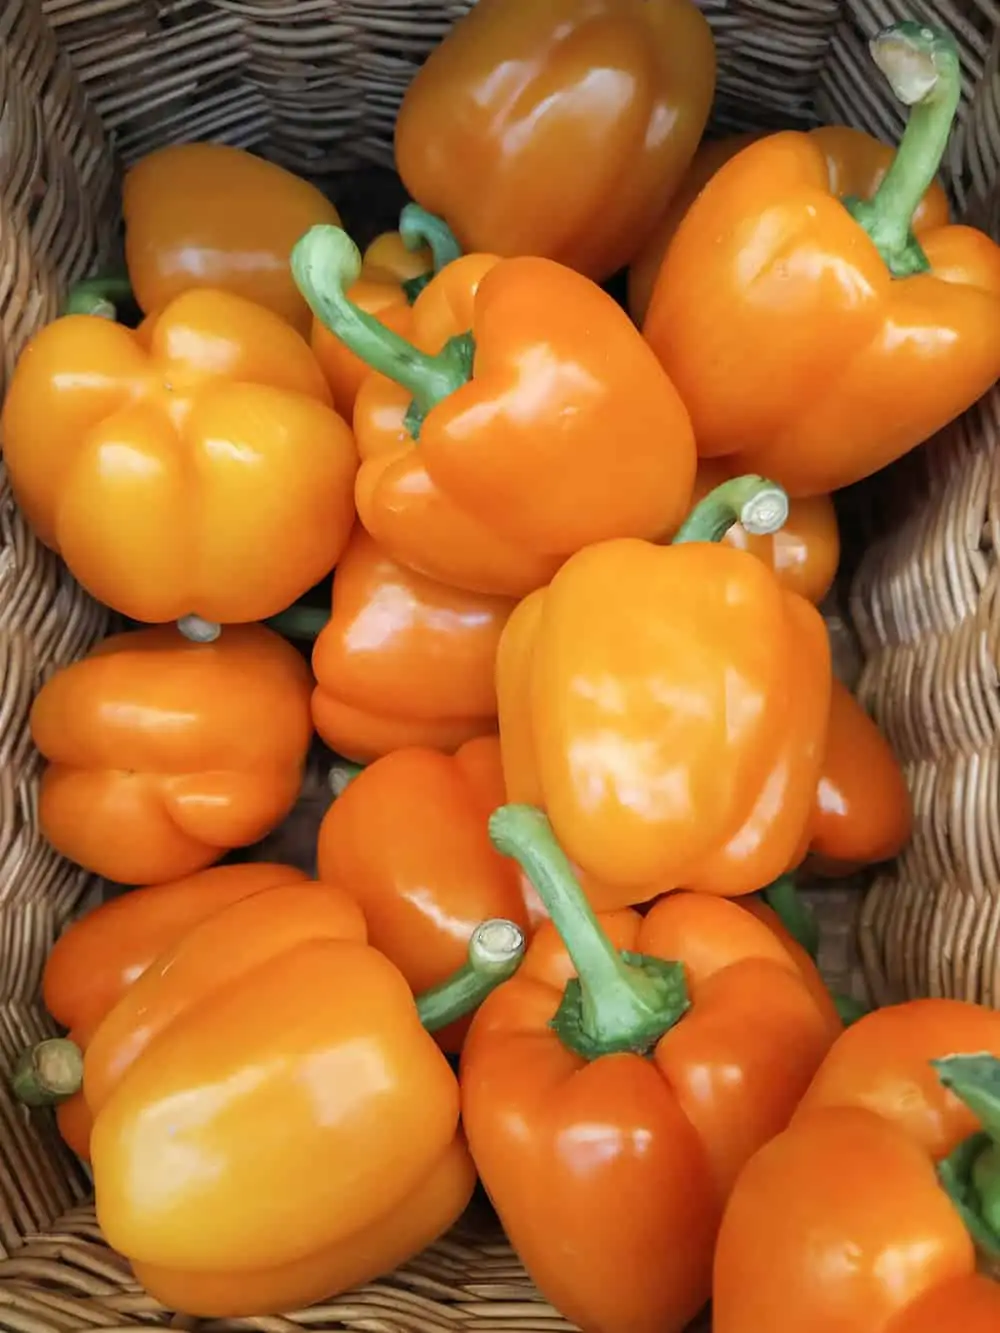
point(198, 630)
point(325, 263)
point(419, 228)
point(975, 1080)
point(495, 952)
point(619, 1002)
point(794, 912)
point(971, 1174)
point(97, 296)
point(761, 506)
point(342, 774)
point(922, 66)
point(48, 1073)
point(299, 622)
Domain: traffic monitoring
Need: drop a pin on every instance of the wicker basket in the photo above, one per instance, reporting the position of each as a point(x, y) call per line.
point(86, 85)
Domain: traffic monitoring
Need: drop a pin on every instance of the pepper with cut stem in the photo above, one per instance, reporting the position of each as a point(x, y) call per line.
point(521, 418)
point(613, 1089)
point(814, 338)
point(618, 687)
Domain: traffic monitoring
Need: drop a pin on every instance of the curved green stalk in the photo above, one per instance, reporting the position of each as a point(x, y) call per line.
point(495, 952)
point(761, 506)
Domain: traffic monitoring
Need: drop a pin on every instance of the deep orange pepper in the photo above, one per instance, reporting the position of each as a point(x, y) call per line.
point(559, 129)
point(273, 1065)
point(818, 339)
point(402, 660)
point(208, 215)
point(544, 422)
point(644, 704)
point(409, 837)
point(196, 470)
point(395, 268)
point(865, 1215)
point(164, 754)
point(611, 1098)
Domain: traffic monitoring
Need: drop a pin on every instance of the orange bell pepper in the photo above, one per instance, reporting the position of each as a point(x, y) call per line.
point(866, 1214)
point(395, 269)
point(559, 129)
point(818, 338)
point(272, 1122)
point(207, 215)
point(612, 1091)
point(857, 164)
point(804, 553)
point(409, 837)
point(667, 707)
point(201, 474)
point(164, 754)
point(544, 422)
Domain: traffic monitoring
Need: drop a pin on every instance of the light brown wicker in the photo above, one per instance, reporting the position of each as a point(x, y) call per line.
point(88, 84)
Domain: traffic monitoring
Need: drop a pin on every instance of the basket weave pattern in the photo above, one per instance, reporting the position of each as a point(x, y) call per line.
point(87, 85)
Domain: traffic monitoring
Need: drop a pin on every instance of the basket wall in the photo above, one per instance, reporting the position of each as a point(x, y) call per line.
point(86, 85)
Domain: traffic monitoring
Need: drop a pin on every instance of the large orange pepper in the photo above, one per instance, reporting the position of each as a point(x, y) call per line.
point(613, 1090)
point(196, 471)
point(558, 129)
point(410, 838)
point(208, 215)
point(164, 754)
point(544, 422)
point(273, 1123)
point(395, 269)
point(667, 707)
point(857, 165)
point(818, 338)
point(866, 1214)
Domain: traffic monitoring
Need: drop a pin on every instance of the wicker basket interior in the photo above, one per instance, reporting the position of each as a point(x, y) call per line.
point(89, 85)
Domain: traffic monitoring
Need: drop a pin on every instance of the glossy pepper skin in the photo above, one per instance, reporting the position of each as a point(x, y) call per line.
point(197, 468)
point(403, 660)
point(667, 708)
point(559, 128)
point(525, 419)
point(410, 837)
point(890, 1160)
point(208, 215)
point(272, 1065)
point(395, 268)
point(609, 1116)
point(164, 754)
point(815, 341)
point(856, 162)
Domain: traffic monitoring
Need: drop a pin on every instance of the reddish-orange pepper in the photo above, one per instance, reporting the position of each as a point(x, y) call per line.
point(410, 838)
point(402, 660)
point(395, 269)
point(817, 338)
point(544, 422)
point(866, 1214)
point(611, 1098)
point(164, 754)
point(207, 215)
point(559, 129)
point(197, 471)
point(272, 1065)
point(667, 708)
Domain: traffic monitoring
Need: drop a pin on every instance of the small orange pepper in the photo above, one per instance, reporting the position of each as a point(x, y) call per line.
point(395, 269)
point(544, 422)
point(866, 1214)
point(202, 475)
point(815, 338)
point(614, 1088)
point(409, 837)
point(208, 215)
point(558, 129)
point(164, 754)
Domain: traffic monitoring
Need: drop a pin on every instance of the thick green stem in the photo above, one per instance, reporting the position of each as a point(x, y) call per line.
point(419, 228)
point(325, 263)
point(48, 1073)
point(97, 296)
point(922, 66)
point(795, 914)
point(620, 1002)
point(761, 506)
point(971, 1174)
point(495, 952)
point(299, 622)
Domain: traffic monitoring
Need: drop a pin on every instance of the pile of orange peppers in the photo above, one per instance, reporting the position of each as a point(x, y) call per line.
point(543, 569)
